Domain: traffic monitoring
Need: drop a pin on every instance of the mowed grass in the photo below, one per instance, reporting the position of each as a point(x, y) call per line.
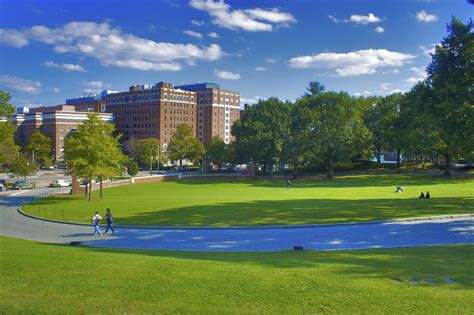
point(46, 278)
point(223, 202)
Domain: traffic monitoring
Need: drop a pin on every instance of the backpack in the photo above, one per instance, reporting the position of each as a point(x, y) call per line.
point(98, 219)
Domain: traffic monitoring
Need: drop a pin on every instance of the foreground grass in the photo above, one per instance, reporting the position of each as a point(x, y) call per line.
point(219, 202)
point(45, 278)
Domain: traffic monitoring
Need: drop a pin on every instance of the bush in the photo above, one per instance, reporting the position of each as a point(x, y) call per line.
point(132, 168)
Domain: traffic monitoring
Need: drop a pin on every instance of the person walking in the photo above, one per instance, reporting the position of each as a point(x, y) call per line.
point(110, 219)
point(288, 183)
point(96, 220)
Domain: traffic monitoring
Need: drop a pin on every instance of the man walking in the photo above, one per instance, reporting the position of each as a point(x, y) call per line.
point(110, 220)
point(96, 220)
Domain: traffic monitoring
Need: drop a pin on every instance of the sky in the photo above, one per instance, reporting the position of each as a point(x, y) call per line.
point(54, 50)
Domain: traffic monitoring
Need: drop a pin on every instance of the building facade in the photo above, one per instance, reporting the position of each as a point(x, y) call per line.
point(218, 109)
point(147, 111)
point(54, 122)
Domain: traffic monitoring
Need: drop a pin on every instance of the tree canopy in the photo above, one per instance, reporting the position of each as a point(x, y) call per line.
point(39, 149)
point(184, 145)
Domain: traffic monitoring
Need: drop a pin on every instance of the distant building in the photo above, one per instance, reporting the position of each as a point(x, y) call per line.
point(218, 109)
point(90, 102)
point(54, 122)
point(152, 111)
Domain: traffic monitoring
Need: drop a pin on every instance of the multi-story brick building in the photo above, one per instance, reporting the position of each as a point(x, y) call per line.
point(218, 109)
point(152, 111)
point(52, 121)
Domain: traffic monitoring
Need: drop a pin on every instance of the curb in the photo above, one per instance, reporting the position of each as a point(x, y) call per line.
point(289, 226)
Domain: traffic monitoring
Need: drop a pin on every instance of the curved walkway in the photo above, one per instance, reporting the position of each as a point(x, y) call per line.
point(317, 237)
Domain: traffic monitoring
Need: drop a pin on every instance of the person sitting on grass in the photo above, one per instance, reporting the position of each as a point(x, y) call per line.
point(399, 189)
point(427, 195)
point(422, 196)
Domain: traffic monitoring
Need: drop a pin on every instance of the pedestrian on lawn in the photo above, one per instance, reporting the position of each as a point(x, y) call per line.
point(427, 196)
point(96, 220)
point(288, 183)
point(110, 220)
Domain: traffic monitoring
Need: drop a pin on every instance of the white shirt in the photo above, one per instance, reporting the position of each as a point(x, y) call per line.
point(96, 218)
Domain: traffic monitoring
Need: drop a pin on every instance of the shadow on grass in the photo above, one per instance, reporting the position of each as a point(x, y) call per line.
point(421, 263)
point(341, 182)
point(305, 211)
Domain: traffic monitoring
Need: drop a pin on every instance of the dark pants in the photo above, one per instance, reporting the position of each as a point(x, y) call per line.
point(109, 226)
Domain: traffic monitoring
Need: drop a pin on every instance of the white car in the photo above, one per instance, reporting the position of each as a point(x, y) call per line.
point(61, 183)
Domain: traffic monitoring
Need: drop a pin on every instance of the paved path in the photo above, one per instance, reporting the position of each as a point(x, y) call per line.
point(357, 236)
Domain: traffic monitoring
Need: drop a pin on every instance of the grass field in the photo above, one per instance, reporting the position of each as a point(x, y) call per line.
point(46, 278)
point(223, 203)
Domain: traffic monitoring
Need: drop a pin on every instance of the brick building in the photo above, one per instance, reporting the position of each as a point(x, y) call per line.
point(218, 109)
point(152, 111)
point(52, 121)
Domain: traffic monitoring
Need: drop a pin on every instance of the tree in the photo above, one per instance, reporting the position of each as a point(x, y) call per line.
point(451, 74)
point(184, 145)
point(336, 127)
point(262, 131)
point(314, 88)
point(132, 167)
point(92, 151)
point(6, 109)
point(21, 166)
point(39, 148)
point(8, 149)
point(216, 151)
point(146, 150)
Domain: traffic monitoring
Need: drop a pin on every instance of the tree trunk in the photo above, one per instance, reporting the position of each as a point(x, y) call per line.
point(295, 171)
point(86, 188)
point(398, 157)
point(330, 168)
point(100, 187)
point(447, 171)
point(379, 152)
point(90, 189)
point(437, 157)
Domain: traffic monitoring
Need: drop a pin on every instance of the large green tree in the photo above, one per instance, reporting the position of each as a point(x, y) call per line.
point(451, 74)
point(91, 151)
point(216, 151)
point(146, 151)
point(8, 149)
point(336, 126)
point(262, 131)
point(314, 88)
point(184, 145)
point(21, 167)
point(39, 149)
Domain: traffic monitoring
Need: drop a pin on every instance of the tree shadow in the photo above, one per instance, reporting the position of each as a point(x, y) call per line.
point(373, 180)
point(435, 262)
point(299, 211)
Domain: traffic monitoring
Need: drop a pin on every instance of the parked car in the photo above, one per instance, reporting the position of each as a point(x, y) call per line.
point(24, 185)
point(60, 183)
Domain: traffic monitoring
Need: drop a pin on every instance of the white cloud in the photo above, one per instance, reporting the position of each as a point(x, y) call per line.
point(413, 80)
point(420, 71)
point(253, 100)
point(379, 29)
point(197, 23)
point(367, 93)
point(213, 35)
point(12, 37)
point(193, 34)
point(428, 51)
point(424, 17)
point(56, 90)
point(358, 19)
point(252, 20)
point(113, 48)
point(396, 91)
point(13, 83)
point(353, 63)
point(260, 68)
point(227, 75)
point(68, 67)
point(95, 87)
point(385, 86)
point(364, 19)
point(271, 60)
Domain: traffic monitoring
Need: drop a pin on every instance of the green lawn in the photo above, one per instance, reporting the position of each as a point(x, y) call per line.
point(223, 203)
point(46, 278)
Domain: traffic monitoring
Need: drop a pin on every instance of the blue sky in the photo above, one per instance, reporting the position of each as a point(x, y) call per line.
point(53, 50)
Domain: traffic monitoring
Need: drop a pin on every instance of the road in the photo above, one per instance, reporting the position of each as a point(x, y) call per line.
point(356, 236)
